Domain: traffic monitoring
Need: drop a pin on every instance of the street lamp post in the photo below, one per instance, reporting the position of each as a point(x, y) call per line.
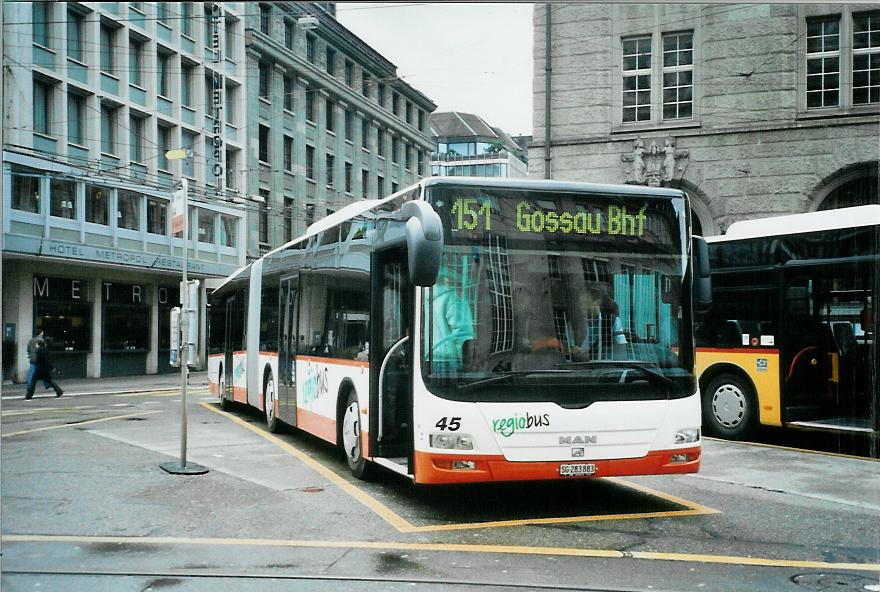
point(180, 202)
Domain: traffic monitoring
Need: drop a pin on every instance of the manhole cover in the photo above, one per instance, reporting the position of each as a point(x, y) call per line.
point(835, 581)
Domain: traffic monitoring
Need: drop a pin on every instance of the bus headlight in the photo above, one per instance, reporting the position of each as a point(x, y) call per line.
point(687, 435)
point(451, 441)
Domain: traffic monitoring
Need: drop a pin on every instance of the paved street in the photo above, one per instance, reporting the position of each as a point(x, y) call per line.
point(86, 507)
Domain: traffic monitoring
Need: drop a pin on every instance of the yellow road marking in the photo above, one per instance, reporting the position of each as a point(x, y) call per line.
point(377, 507)
point(76, 424)
point(402, 525)
point(449, 547)
point(793, 449)
point(43, 409)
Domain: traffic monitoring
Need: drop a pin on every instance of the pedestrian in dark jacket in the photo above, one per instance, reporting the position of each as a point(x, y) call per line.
point(42, 371)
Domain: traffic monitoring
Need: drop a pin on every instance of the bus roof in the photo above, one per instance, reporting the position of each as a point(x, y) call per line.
point(799, 223)
point(550, 185)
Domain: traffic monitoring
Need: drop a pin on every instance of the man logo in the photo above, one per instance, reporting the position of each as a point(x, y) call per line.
point(586, 439)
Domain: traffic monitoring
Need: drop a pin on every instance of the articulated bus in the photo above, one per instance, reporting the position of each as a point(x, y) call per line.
point(791, 339)
point(472, 330)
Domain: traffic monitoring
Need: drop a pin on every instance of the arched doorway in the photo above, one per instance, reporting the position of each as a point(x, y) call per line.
point(855, 185)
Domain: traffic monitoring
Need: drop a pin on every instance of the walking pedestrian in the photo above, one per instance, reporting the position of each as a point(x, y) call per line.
point(41, 367)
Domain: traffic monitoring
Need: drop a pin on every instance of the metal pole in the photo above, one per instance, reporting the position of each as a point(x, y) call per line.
point(183, 468)
point(548, 72)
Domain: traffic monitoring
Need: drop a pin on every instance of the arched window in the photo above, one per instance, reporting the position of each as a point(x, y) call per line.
point(853, 186)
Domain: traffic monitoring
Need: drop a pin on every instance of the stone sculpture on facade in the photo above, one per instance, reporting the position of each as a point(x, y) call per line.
point(653, 166)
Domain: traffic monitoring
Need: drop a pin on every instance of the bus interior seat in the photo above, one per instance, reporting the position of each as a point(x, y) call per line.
point(844, 336)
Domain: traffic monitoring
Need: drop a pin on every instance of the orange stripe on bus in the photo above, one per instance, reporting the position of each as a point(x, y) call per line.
point(239, 394)
point(318, 425)
point(337, 361)
point(436, 468)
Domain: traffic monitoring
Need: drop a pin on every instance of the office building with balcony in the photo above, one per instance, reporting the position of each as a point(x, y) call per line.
point(465, 145)
point(95, 94)
point(330, 121)
point(753, 110)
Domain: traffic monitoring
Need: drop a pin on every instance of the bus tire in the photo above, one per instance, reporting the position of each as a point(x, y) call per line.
point(269, 395)
point(352, 435)
point(225, 405)
point(729, 406)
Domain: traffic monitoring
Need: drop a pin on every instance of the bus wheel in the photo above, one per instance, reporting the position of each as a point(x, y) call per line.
point(729, 407)
point(221, 386)
point(351, 437)
point(269, 404)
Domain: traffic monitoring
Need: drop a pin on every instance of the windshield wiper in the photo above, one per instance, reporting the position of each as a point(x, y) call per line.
point(507, 375)
point(649, 372)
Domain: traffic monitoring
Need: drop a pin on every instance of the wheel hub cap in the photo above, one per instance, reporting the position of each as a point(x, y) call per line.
point(729, 405)
point(351, 432)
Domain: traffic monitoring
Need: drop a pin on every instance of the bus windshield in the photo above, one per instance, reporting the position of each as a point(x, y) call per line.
point(558, 296)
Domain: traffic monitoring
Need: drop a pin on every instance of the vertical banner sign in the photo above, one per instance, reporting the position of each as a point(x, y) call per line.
point(217, 100)
point(178, 211)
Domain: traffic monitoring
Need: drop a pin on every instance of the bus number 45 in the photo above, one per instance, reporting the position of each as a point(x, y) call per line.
point(449, 423)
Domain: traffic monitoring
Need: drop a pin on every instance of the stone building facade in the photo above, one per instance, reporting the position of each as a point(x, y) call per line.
point(753, 110)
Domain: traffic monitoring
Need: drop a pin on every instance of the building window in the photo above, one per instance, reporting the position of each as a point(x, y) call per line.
point(228, 225)
point(231, 100)
point(395, 148)
point(265, 16)
point(42, 108)
point(288, 93)
point(162, 13)
point(311, 48)
point(263, 223)
point(349, 73)
point(186, 19)
point(136, 139)
point(407, 156)
point(108, 129)
point(331, 116)
point(408, 112)
point(188, 139)
point(678, 75)
point(41, 19)
point(331, 171)
point(162, 74)
point(288, 154)
point(310, 162)
point(76, 107)
point(263, 152)
point(157, 212)
point(230, 37)
point(421, 120)
point(163, 142)
point(637, 79)
point(108, 49)
point(310, 105)
point(186, 82)
point(553, 265)
point(380, 143)
point(288, 34)
point(331, 61)
point(265, 76)
point(380, 186)
point(348, 173)
point(135, 61)
point(381, 94)
point(288, 219)
point(96, 204)
point(365, 134)
point(206, 226)
point(866, 58)
point(74, 35)
point(823, 62)
point(26, 193)
point(231, 169)
point(395, 102)
point(421, 163)
point(62, 198)
point(365, 84)
point(365, 183)
point(349, 125)
point(128, 210)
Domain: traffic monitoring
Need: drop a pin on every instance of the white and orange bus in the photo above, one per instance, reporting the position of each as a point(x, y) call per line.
point(466, 330)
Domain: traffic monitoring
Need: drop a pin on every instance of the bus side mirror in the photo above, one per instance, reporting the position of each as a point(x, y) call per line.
point(424, 242)
point(702, 279)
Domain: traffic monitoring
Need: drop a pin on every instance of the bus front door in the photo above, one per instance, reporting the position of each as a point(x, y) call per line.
point(230, 344)
point(287, 351)
point(391, 358)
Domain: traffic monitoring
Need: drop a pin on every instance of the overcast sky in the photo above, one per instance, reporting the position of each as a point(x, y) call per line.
point(475, 58)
